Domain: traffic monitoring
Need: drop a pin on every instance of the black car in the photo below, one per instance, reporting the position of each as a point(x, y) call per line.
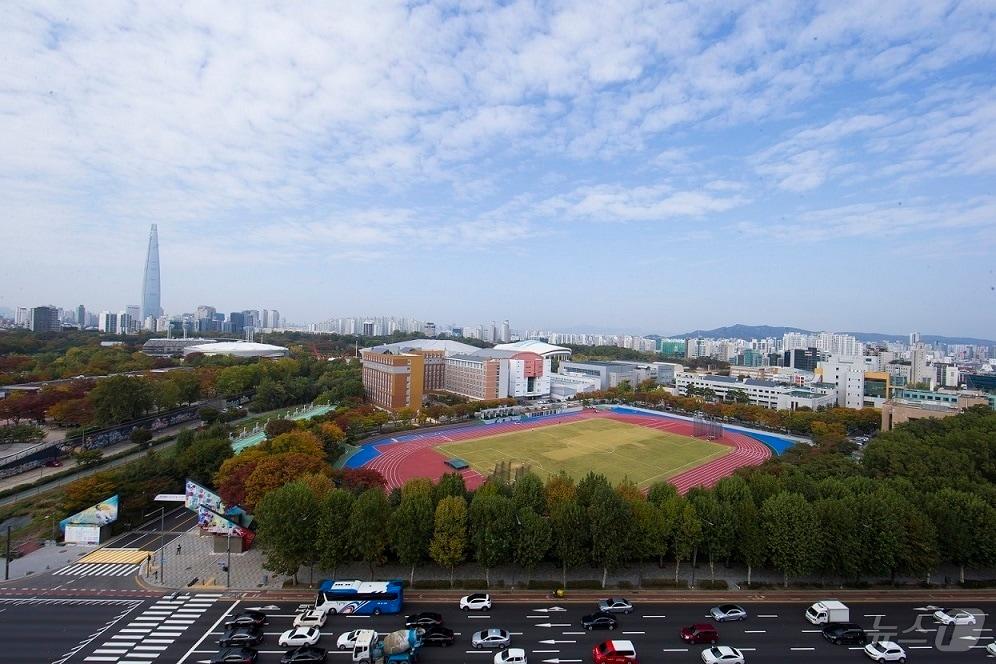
point(241, 636)
point(848, 633)
point(236, 655)
point(438, 635)
point(247, 618)
point(304, 655)
point(600, 620)
point(424, 619)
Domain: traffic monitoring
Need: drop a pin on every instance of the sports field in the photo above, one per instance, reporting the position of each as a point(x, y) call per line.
point(616, 449)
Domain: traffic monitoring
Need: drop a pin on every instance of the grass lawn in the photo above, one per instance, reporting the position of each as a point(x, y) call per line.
point(616, 449)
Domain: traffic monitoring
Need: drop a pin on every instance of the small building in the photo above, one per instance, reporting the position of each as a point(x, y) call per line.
point(899, 411)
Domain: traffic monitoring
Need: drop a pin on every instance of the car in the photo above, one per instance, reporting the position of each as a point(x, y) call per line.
point(885, 651)
point(954, 617)
point(311, 618)
point(615, 605)
point(304, 655)
point(511, 656)
point(234, 656)
point(849, 633)
point(348, 639)
point(722, 655)
point(424, 619)
point(599, 620)
point(475, 602)
point(241, 635)
point(728, 613)
point(438, 636)
point(248, 617)
point(615, 652)
point(991, 649)
point(53, 463)
point(491, 638)
point(700, 633)
point(300, 636)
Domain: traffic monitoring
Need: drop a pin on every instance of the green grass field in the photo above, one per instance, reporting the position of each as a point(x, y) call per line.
point(616, 449)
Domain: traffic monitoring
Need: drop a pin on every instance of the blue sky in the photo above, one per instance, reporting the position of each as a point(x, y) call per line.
point(658, 167)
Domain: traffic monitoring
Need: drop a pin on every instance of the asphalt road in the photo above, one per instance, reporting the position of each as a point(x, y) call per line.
point(775, 632)
point(148, 535)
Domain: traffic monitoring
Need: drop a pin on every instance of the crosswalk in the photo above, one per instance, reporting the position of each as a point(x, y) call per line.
point(98, 569)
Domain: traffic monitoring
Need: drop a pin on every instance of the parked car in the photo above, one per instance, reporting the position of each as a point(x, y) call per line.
point(475, 602)
point(728, 612)
point(300, 636)
point(599, 620)
point(722, 655)
point(241, 635)
point(615, 652)
point(438, 636)
point(491, 638)
point(991, 649)
point(615, 605)
point(234, 656)
point(304, 655)
point(424, 619)
point(886, 651)
point(311, 618)
point(247, 617)
point(511, 656)
point(701, 633)
point(954, 617)
point(347, 640)
point(845, 633)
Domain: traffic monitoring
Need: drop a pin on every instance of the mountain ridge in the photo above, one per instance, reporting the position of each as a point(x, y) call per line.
point(741, 331)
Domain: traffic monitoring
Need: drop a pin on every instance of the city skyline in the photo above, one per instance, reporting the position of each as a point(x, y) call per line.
point(673, 167)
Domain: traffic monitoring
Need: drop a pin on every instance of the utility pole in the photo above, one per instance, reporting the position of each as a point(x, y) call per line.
point(6, 558)
point(228, 565)
point(162, 544)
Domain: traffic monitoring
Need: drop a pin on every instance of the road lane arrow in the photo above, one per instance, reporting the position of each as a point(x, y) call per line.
point(559, 661)
point(553, 625)
point(555, 641)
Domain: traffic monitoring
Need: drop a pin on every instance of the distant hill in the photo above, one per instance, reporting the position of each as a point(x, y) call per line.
point(740, 331)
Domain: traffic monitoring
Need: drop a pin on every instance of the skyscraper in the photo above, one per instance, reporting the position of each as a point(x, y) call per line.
point(81, 316)
point(151, 304)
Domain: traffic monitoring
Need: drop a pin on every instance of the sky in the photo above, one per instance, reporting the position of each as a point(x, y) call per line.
point(654, 166)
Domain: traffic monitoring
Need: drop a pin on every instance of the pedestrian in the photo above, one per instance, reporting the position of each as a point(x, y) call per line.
point(177, 549)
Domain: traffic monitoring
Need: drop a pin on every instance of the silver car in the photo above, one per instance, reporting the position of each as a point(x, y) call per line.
point(615, 605)
point(728, 612)
point(491, 638)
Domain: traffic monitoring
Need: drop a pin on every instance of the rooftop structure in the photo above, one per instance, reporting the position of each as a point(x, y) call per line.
point(541, 348)
point(237, 349)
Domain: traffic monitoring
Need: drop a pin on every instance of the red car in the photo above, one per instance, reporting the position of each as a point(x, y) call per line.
point(703, 633)
point(615, 652)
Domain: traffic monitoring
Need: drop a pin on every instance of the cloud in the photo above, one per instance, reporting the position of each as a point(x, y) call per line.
point(614, 203)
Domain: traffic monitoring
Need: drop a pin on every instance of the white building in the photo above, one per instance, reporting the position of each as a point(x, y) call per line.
point(107, 322)
point(847, 374)
point(568, 386)
point(770, 394)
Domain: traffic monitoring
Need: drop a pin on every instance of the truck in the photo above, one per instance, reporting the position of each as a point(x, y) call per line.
point(828, 611)
point(400, 647)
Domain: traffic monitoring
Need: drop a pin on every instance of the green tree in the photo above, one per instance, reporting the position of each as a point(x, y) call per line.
point(90, 457)
point(202, 459)
point(717, 529)
point(141, 437)
point(287, 528)
point(791, 529)
point(966, 528)
point(686, 532)
point(750, 544)
point(492, 530)
point(411, 525)
point(651, 532)
point(449, 537)
point(533, 541)
point(571, 536)
point(166, 394)
point(120, 399)
point(334, 549)
point(450, 484)
point(527, 492)
point(610, 517)
point(368, 527)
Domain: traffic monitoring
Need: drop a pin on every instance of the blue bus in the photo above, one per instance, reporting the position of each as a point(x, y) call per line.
point(363, 598)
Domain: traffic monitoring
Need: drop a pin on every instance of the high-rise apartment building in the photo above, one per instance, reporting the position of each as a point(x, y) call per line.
point(506, 332)
point(125, 322)
point(274, 318)
point(368, 328)
point(44, 319)
point(429, 329)
point(151, 293)
point(81, 317)
point(107, 322)
point(237, 322)
point(22, 317)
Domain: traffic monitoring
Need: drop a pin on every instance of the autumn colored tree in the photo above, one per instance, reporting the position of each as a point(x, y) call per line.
point(75, 412)
point(82, 493)
point(357, 480)
point(299, 441)
point(275, 428)
point(279, 469)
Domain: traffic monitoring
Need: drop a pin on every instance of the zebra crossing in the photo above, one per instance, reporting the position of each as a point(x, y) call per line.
point(98, 569)
point(149, 634)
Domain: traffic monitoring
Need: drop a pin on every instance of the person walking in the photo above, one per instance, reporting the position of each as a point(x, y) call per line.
point(177, 549)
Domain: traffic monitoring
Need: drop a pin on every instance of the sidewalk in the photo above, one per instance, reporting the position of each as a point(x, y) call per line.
point(197, 560)
point(49, 557)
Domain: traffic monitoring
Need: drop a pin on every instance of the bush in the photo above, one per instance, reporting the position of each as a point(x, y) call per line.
point(719, 584)
point(141, 437)
point(472, 584)
point(665, 583)
point(275, 428)
point(433, 584)
point(543, 584)
point(208, 414)
point(624, 585)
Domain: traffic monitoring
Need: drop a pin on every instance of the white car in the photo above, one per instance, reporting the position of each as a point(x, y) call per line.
point(954, 617)
point(722, 655)
point(348, 639)
point(475, 602)
point(300, 636)
point(511, 656)
point(991, 649)
point(311, 618)
point(886, 651)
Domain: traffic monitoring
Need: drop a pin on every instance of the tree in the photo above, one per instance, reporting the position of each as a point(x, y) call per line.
point(203, 458)
point(274, 428)
point(527, 492)
point(21, 434)
point(230, 480)
point(141, 437)
point(334, 549)
point(609, 516)
point(411, 524)
point(358, 480)
point(88, 457)
point(85, 492)
point(276, 470)
point(208, 414)
point(120, 399)
point(791, 528)
point(686, 532)
point(492, 530)
point(651, 531)
point(559, 489)
point(571, 537)
point(76, 412)
point(450, 484)
point(533, 541)
point(368, 527)
point(287, 527)
point(166, 394)
point(717, 529)
point(302, 442)
point(966, 528)
point(750, 544)
point(449, 537)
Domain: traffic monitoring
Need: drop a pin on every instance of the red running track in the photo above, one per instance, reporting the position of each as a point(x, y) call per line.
point(400, 462)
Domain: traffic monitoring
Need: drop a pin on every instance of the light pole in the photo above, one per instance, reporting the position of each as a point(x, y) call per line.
point(228, 565)
point(162, 541)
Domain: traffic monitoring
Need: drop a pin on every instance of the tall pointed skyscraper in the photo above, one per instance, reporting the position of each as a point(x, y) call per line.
point(151, 305)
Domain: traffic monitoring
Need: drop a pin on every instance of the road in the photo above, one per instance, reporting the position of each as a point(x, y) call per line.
point(184, 629)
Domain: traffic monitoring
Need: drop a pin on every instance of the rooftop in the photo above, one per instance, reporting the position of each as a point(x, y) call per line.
point(448, 346)
point(534, 346)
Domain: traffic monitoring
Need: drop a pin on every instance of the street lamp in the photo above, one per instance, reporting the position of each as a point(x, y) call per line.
point(162, 541)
